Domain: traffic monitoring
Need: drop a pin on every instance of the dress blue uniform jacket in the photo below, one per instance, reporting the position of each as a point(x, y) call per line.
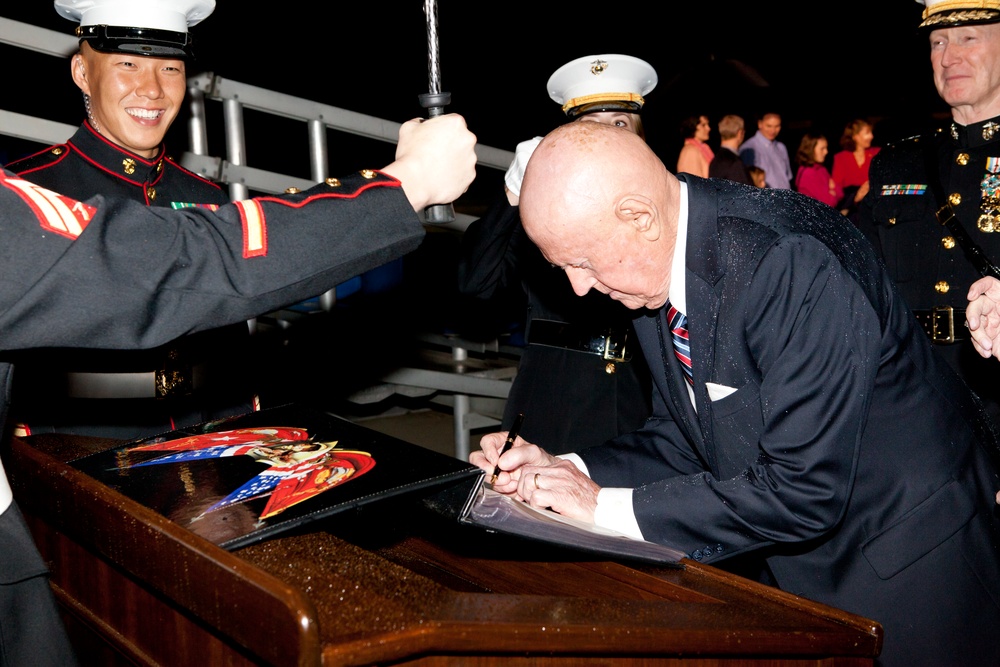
point(849, 455)
point(922, 257)
point(89, 164)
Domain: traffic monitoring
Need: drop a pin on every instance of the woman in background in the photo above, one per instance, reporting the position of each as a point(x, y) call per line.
point(812, 177)
point(695, 154)
point(851, 163)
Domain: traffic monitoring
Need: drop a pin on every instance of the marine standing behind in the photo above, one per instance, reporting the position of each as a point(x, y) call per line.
point(957, 164)
point(580, 378)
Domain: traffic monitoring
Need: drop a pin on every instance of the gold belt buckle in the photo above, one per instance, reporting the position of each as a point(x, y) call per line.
point(937, 335)
point(611, 352)
point(175, 378)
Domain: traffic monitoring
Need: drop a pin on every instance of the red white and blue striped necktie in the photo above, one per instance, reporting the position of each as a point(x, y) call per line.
point(682, 346)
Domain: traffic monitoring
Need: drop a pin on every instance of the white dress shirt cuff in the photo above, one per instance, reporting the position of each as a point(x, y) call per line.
point(614, 511)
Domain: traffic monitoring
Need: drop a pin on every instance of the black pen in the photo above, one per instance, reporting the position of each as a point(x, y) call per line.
point(511, 437)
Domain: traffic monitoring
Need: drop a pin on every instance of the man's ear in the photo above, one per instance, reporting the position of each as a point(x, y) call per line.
point(78, 70)
point(640, 212)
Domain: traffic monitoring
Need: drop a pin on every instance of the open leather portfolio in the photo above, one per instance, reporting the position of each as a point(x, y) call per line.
point(244, 479)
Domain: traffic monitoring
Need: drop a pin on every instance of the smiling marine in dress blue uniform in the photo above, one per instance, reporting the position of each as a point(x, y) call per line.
point(131, 71)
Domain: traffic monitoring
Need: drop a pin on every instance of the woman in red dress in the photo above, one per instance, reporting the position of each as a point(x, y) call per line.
point(850, 165)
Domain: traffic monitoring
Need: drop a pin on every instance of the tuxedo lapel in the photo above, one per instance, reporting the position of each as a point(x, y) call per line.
point(703, 272)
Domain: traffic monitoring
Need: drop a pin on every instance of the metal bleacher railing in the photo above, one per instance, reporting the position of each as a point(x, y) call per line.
point(464, 384)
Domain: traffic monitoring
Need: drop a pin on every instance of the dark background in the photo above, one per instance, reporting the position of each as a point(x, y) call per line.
point(818, 64)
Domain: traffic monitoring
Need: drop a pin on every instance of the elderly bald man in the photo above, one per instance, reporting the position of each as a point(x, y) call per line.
point(818, 435)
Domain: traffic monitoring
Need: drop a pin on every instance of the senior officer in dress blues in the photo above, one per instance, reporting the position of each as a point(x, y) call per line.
point(959, 165)
point(245, 259)
point(131, 71)
point(580, 378)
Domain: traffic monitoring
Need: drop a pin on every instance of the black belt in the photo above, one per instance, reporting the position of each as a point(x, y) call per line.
point(609, 344)
point(944, 324)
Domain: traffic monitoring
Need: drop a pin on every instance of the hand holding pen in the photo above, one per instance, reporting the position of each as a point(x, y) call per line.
point(508, 443)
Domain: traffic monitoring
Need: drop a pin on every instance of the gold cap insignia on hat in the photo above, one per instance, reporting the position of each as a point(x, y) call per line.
point(598, 66)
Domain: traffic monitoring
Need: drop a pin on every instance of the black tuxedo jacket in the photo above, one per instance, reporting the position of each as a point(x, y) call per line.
point(826, 436)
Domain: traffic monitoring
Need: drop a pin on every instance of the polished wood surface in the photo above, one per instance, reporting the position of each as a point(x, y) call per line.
point(391, 584)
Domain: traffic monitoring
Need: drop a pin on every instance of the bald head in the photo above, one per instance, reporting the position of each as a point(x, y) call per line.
point(602, 206)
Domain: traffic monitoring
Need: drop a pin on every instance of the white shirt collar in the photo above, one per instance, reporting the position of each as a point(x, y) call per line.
point(677, 293)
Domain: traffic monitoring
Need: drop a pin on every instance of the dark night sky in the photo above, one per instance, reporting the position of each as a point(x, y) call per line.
point(824, 63)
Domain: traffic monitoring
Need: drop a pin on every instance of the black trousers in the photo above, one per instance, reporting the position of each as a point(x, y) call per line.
point(571, 402)
point(31, 631)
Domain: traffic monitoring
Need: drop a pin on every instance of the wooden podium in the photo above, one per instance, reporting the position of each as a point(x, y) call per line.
point(390, 584)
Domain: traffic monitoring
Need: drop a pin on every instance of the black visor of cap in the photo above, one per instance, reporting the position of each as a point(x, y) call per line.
point(138, 41)
point(597, 107)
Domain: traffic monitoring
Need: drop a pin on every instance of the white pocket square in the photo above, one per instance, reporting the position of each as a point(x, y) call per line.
point(717, 392)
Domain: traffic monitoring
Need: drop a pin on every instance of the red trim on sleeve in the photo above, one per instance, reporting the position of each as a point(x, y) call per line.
point(254, 228)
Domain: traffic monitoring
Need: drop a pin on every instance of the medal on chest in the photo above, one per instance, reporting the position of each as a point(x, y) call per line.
point(989, 219)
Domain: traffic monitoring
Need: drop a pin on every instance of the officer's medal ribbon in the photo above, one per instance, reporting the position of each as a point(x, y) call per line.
point(989, 220)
